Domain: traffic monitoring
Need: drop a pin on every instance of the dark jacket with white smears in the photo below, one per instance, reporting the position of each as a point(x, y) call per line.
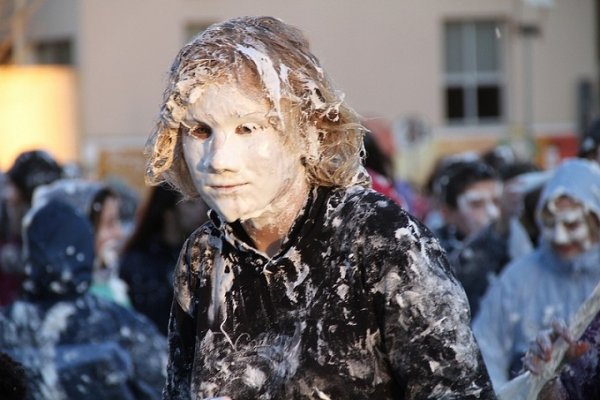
point(73, 344)
point(358, 304)
point(581, 379)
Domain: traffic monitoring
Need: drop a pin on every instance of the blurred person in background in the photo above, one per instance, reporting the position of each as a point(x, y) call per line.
point(468, 192)
point(434, 185)
point(72, 344)
point(523, 183)
point(380, 169)
point(379, 160)
point(482, 256)
point(29, 170)
point(525, 189)
point(500, 157)
point(101, 204)
point(149, 256)
point(552, 281)
point(129, 200)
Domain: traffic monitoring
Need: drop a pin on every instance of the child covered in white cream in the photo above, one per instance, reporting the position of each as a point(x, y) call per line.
point(304, 283)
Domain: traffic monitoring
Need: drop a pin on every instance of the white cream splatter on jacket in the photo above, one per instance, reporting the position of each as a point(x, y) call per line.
point(358, 304)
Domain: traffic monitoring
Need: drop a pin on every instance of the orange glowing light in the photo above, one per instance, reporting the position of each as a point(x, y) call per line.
point(38, 110)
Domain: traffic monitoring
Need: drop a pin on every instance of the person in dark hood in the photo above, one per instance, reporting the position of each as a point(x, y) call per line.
point(305, 283)
point(101, 204)
point(29, 170)
point(552, 281)
point(72, 344)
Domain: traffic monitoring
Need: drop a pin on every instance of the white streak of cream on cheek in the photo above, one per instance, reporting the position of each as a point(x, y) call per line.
point(560, 234)
point(263, 150)
point(582, 235)
point(555, 234)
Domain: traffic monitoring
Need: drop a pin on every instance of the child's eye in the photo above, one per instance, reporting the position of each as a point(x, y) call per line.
point(200, 131)
point(246, 129)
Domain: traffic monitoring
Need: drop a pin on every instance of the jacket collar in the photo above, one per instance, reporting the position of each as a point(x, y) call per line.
point(234, 234)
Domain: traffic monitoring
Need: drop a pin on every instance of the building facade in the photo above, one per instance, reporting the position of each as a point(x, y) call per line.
point(451, 75)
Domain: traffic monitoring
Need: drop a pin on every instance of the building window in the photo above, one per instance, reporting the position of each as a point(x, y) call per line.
point(54, 52)
point(474, 79)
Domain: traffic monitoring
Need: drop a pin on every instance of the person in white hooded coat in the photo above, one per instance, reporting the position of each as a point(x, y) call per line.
point(551, 282)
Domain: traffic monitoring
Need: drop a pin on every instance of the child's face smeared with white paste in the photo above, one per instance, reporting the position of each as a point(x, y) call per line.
point(478, 206)
point(565, 226)
point(237, 160)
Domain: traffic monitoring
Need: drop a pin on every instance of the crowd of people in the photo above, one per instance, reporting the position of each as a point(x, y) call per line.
point(85, 304)
point(277, 255)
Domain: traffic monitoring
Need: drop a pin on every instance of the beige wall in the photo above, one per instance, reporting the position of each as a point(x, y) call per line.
point(386, 55)
point(557, 72)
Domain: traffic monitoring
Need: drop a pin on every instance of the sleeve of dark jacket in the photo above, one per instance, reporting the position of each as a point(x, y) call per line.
point(423, 311)
point(181, 336)
point(147, 349)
